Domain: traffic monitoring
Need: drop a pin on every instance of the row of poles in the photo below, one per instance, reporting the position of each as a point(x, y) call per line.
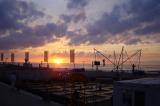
point(26, 57)
point(3, 59)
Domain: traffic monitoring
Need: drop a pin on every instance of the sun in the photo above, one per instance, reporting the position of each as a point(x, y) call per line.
point(58, 61)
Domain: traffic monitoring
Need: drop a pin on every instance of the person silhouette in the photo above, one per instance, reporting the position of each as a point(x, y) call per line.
point(133, 68)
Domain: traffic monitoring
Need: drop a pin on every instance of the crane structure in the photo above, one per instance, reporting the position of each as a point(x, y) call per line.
point(118, 62)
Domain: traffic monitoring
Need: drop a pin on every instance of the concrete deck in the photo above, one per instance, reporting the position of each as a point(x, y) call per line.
point(11, 97)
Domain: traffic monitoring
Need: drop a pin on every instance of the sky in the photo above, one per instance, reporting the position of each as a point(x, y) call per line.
point(61, 25)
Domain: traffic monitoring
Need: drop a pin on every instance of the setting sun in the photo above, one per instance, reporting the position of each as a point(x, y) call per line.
point(57, 61)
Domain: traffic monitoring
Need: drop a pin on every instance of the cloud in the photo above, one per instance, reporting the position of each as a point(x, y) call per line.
point(74, 17)
point(136, 18)
point(77, 11)
point(127, 23)
point(14, 14)
point(33, 37)
point(77, 4)
point(149, 29)
point(14, 29)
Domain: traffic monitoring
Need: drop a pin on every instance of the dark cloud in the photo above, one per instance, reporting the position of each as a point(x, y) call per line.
point(127, 39)
point(137, 17)
point(15, 31)
point(77, 4)
point(133, 41)
point(33, 37)
point(149, 29)
point(74, 17)
point(77, 11)
point(14, 14)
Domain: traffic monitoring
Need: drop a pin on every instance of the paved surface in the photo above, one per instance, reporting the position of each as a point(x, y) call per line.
point(11, 97)
point(89, 92)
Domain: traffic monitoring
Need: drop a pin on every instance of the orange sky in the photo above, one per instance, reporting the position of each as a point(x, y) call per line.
point(150, 53)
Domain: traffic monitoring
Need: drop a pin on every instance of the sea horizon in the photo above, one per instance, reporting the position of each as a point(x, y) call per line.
point(107, 67)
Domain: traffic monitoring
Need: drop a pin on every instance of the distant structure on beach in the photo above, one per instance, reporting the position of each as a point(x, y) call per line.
point(118, 61)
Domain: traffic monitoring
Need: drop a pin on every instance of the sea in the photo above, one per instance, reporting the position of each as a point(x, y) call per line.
point(107, 67)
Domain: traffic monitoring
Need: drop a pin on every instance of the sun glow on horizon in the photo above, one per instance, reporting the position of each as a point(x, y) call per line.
point(58, 61)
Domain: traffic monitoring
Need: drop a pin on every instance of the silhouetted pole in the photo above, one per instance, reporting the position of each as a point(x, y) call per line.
point(139, 59)
point(2, 57)
point(114, 60)
point(46, 58)
point(83, 64)
point(122, 58)
point(72, 57)
point(26, 57)
point(12, 57)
